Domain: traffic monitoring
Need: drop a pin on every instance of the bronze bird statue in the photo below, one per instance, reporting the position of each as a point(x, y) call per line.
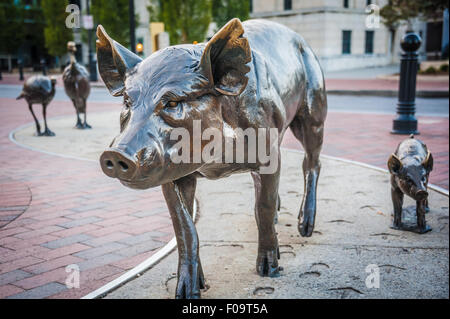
point(39, 89)
point(77, 86)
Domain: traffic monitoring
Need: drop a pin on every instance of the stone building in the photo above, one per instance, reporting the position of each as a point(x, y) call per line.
point(343, 33)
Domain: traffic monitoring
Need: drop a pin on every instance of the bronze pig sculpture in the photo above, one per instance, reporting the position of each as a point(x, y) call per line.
point(410, 168)
point(252, 75)
point(77, 86)
point(39, 89)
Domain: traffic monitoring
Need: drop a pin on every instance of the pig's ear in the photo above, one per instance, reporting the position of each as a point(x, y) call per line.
point(225, 57)
point(114, 61)
point(428, 162)
point(394, 164)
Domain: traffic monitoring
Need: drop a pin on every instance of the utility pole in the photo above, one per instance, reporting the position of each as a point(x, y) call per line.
point(92, 64)
point(132, 26)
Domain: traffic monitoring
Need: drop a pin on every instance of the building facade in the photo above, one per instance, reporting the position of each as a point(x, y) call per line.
point(343, 33)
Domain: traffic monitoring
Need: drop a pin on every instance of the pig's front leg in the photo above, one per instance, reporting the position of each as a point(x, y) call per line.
point(266, 189)
point(397, 201)
point(422, 226)
point(179, 196)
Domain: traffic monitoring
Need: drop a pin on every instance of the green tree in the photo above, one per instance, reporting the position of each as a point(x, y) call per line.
point(225, 10)
point(12, 34)
point(398, 11)
point(114, 16)
point(186, 21)
point(56, 33)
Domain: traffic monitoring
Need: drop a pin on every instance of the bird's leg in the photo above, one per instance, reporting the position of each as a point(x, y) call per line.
point(79, 124)
point(85, 125)
point(47, 132)
point(38, 127)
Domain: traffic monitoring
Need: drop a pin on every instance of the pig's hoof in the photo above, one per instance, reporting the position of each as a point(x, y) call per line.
point(397, 226)
point(423, 230)
point(190, 282)
point(306, 226)
point(267, 263)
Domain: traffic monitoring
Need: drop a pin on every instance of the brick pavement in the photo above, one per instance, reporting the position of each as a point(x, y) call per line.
point(79, 216)
point(61, 211)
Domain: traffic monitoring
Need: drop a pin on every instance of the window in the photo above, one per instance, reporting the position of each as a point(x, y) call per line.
point(346, 42)
point(369, 42)
point(251, 6)
point(287, 4)
point(345, 3)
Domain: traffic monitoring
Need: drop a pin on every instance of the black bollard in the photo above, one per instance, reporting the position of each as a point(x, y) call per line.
point(20, 62)
point(406, 122)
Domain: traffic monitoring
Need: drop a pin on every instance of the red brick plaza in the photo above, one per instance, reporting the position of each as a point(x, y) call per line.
point(56, 211)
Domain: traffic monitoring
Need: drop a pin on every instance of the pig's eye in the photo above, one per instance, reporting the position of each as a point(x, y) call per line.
point(172, 104)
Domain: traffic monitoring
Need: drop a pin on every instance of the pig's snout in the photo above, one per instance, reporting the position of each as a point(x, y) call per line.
point(117, 164)
point(421, 195)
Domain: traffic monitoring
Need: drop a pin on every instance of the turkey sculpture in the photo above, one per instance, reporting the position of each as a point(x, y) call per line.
point(39, 90)
point(76, 85)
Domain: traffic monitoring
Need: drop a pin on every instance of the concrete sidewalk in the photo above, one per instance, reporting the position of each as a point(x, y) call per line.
point(352, 232)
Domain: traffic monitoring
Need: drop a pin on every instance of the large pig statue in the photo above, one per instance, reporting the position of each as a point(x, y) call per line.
point(254, 75)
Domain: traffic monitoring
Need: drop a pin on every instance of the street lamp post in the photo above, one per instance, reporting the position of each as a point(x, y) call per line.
point(92, 64)
point(406, 122)
point(132, 26)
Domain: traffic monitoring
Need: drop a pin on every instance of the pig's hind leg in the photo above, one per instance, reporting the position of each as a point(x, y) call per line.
point(308, 128)
point(179, 197)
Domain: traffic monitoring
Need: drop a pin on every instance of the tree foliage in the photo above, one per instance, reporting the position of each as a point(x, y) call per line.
point(186, 21)
point(398, 11)
point(12, 33)
point(114, 16)
point(56, 33)
point(225, 10)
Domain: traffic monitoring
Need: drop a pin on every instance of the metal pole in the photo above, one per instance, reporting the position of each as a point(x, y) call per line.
point(92, 64)
point(132, 26)
point(406, 122)
point(20, 62)
point(44, 67)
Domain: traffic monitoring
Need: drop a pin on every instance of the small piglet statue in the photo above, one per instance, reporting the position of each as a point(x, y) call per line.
point(410, 167)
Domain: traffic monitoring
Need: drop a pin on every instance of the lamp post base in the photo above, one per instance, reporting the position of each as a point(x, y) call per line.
point(402, 127)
